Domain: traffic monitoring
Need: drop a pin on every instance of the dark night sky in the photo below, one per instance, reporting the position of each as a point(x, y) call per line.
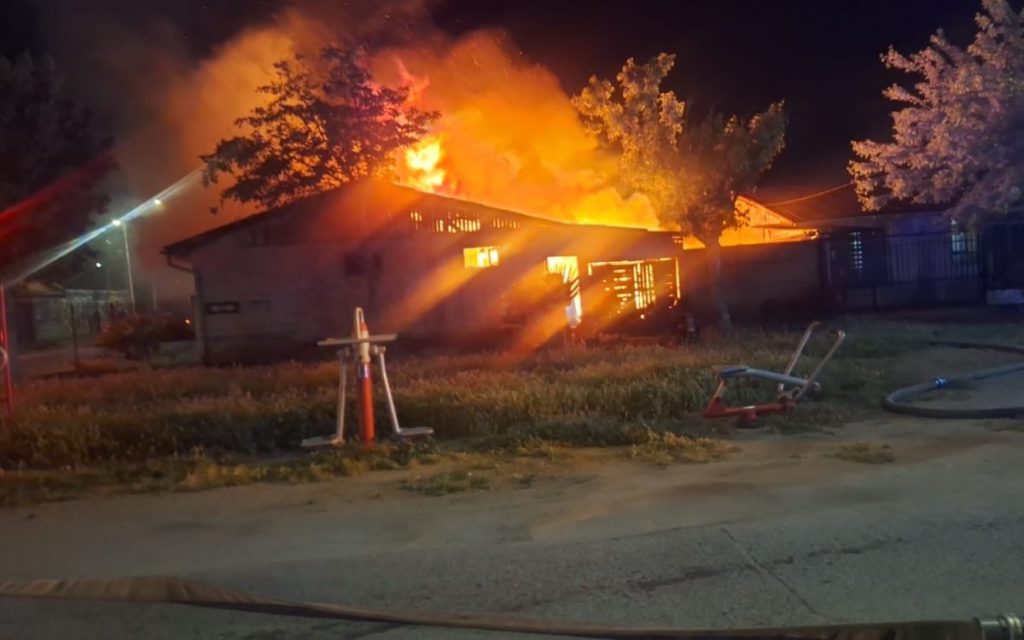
point(733, 55)
point(821, 56)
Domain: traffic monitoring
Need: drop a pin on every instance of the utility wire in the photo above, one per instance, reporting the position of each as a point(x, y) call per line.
point(809, 197)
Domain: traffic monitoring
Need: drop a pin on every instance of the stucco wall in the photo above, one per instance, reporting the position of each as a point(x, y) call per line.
point(756, 279)
point(268, 300)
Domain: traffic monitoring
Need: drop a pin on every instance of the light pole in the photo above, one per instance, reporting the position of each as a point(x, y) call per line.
point(127, 260)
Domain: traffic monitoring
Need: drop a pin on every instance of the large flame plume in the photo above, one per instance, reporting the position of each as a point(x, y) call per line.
point(421, 165)
point(508, 135)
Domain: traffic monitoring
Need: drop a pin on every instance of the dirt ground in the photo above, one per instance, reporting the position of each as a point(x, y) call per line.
point(945, 362)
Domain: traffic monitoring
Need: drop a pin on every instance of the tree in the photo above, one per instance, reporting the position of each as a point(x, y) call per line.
point(958, 140)
point(323, 126)
point(691, 169)
point(52, 161)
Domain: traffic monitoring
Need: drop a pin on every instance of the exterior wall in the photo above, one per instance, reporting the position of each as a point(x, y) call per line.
point(272, 289)
point(758, 281)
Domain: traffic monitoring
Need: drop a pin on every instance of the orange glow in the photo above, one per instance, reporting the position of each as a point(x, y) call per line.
point(507, 136)
point(541, 329)
point(761, 224)
point(442, 282)
point(633, 283)
point(422, 170)
point(569, 268)
point(480, 257)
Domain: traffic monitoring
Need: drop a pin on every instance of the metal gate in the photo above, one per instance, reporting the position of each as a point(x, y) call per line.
point(872, 269)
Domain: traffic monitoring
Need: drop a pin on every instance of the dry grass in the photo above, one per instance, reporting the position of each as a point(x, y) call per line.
point(865, 453)
point(534, 447)
point(198, 472)
point(665, 448)
point(447, 482)
point(141, 428)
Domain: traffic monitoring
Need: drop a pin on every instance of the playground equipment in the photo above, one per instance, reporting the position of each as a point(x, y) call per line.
point(790, 388)
point(359, 350)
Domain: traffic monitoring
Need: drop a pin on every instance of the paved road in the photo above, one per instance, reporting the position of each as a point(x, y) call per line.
point(781, 534)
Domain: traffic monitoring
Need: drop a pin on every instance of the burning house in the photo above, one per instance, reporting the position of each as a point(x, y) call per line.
point(420, 264)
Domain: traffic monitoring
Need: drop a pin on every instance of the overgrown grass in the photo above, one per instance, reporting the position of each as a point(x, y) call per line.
point(122, 422)
point(589, 397)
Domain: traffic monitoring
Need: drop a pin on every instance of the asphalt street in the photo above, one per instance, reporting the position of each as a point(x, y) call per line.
point(783, 534)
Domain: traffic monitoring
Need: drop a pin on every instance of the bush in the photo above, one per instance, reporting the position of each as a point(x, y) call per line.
point(139, 336)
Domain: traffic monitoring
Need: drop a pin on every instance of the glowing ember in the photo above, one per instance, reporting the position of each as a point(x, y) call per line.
point(422, 164)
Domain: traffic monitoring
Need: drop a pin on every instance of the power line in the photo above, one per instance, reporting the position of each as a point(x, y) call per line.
point(810, 197)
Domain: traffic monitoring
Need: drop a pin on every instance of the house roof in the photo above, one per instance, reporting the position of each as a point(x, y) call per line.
point(809, 201)
point(379, 188)
point(862, 220)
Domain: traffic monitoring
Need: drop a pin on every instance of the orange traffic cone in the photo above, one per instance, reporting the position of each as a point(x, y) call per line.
point(365, 380)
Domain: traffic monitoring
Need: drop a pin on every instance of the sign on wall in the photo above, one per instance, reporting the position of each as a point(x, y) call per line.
point(215, 308)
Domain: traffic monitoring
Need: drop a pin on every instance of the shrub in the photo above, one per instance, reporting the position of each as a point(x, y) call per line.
point(139, 336)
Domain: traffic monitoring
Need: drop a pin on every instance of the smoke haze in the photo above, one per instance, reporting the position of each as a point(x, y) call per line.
point(509, 134)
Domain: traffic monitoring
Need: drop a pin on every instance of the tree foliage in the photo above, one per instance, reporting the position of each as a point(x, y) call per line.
point(691, 169)
point(325, 124)
point(52, 160)
point(958, 138)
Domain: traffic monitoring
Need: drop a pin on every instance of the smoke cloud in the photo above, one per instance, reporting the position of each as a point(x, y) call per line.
point(509, 134)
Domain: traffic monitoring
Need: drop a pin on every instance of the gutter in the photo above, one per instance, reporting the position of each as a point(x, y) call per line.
point(179, 267)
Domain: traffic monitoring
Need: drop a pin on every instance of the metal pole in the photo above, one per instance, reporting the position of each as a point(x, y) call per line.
point(339, 434)
point(128, 265)
point(74, 335)
point(387, 392)
point(5, 346)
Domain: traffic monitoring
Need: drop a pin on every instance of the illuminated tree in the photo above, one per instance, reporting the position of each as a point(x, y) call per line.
point(52, 161)
point(324, 124)
point(691, 170)
point(958, 139)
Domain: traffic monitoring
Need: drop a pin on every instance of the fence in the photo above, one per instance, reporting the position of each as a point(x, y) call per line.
point(875, 270)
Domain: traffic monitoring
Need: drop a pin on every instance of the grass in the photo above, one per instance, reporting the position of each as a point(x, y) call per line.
point(865, 453)
point(663, 449)
point(199, 472)
point(442, 484)
point(145, 426)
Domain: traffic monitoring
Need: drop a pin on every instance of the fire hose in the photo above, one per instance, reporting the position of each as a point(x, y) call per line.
point(167, 590)
point(898, 400)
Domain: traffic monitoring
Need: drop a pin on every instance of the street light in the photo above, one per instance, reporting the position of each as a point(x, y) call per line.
point(127, 260)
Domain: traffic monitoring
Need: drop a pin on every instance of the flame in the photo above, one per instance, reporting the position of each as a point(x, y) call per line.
point(507, 136)
point(422, 170)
